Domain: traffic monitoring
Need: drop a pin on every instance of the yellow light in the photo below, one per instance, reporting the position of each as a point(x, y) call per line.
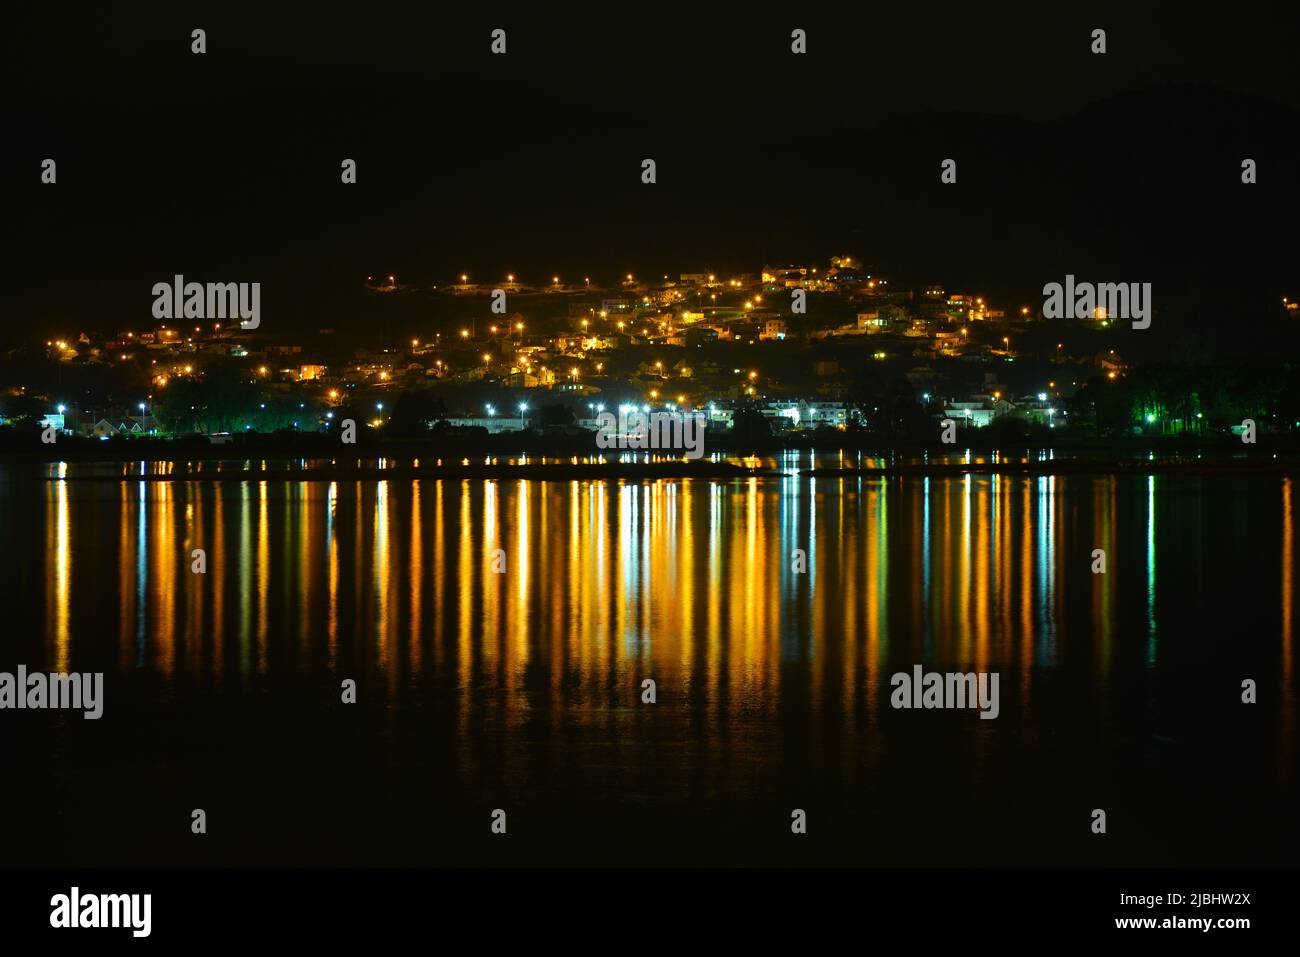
point(510, 278)
point(519, 326)
point(464, 333)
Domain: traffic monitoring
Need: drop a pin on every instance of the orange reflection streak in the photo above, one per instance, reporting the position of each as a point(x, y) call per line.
point(520, 581)
point(166, 555)
point(382, 565)
point(494, 584)
point(465, 608)
point(1287, 736)
point(126, 576)
point(441, 571)
point(1003, 557)
point(332, 615)
point(58, 571)
point(686, 651)
point(304, 511)
point(986, 503)
point(415, 636)
point(263, 576)
point(217, 569)
point(192, 630)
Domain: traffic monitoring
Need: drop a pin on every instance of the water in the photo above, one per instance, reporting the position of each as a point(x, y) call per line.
point(522, 690)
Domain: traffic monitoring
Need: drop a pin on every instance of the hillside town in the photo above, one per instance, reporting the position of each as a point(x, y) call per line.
point(788, 348)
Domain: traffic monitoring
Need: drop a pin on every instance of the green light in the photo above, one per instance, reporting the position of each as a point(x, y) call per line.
point(1150, 417)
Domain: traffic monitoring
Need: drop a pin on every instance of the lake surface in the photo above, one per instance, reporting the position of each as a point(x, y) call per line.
point(521, 689)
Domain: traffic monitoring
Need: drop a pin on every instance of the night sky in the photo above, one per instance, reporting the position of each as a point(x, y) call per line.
point(225, 167)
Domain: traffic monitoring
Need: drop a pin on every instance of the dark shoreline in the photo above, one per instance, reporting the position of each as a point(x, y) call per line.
point(678, 469)
point(422, 458)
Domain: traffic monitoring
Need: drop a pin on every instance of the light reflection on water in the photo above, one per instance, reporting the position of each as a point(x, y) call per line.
point(689, 578)
point(770, 679)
